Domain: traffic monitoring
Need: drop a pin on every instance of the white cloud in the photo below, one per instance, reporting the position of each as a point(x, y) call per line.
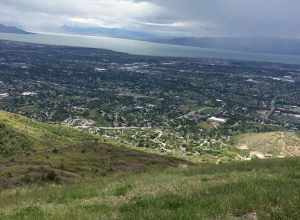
point(37, 14)
point(197, 17)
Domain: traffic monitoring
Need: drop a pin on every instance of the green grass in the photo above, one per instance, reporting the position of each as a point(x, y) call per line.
point(35, 135)
point(12, 141)
point(34, 152)
point(270, 189)
point(58, 173)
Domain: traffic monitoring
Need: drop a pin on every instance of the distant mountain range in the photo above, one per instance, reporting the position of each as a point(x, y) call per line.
point(255, 45)
point(12, 30)
point(110, 32)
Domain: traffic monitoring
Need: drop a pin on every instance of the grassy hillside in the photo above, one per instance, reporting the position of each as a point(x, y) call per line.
point(57, 173)
point(32, 152)
point(266, 189)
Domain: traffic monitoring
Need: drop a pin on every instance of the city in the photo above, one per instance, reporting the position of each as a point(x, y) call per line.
point(179, 106)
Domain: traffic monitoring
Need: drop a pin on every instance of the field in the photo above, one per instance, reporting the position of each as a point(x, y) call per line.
point(266, 189)
point(270, 144)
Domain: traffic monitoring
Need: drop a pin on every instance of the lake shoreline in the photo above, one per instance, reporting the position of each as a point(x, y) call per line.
point(144, 48)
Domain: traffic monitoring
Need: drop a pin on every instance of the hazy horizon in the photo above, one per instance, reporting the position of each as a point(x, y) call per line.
point(207, 18)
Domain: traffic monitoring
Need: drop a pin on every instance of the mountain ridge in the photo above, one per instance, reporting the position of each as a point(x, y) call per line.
point(12, 30)
point(271, 45)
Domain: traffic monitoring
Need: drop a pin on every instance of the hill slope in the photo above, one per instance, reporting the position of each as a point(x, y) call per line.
point(266, 189)
point(11, 29)
point(270, 144)
point(32, 152)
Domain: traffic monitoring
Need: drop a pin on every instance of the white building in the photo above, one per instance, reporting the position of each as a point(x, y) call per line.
point(219, 120)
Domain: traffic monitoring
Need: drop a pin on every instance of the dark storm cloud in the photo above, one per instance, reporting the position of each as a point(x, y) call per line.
point(236, 17)
point(278, 18)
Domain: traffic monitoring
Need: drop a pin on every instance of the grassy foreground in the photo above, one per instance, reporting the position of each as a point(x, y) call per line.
point(267, 189)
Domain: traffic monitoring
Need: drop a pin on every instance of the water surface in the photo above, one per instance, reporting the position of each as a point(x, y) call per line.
point(146, 48)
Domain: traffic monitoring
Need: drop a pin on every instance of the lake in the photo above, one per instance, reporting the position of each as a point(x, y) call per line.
point(146, 48)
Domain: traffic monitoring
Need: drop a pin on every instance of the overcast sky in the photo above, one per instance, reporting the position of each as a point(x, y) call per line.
point(275, 18)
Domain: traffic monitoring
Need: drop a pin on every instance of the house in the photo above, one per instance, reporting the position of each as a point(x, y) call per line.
point(218, 120)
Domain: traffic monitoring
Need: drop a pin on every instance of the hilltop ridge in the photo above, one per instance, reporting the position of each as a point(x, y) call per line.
point(33, 152)
point(12, 30)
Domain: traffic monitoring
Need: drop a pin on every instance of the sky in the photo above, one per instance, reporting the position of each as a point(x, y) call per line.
point(200, 18)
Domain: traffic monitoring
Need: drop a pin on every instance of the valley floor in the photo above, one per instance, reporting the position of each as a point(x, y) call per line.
point(112, 136)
